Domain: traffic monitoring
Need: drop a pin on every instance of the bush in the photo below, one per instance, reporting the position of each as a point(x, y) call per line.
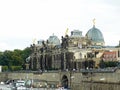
point(4, 68)
point(15, 68)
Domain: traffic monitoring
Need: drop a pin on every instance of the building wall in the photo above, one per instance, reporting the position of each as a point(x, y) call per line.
point(77, 81)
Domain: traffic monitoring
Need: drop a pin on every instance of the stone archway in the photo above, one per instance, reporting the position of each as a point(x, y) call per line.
point(65, 81)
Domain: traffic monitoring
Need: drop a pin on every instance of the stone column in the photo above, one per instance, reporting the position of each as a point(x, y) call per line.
point(43, 61)
point(32, 62)
point(53, 63)
point(64, 59)
point(38, 64)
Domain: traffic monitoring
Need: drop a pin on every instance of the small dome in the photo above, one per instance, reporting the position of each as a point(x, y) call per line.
point(95, 35)
point(54, 40)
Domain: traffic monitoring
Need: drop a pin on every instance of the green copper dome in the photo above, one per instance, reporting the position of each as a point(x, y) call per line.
point(54, 40)
point(95, 35)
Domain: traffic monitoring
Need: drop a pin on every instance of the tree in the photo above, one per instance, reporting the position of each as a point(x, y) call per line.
point(104, 64)
point(14, 58)
point(26, 53)
point(17, 59)
point(8, 57)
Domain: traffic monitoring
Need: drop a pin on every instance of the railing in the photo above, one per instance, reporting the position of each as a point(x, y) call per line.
point(105, 70)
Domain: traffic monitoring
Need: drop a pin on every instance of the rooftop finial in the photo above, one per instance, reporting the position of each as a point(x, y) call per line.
point(94, 22)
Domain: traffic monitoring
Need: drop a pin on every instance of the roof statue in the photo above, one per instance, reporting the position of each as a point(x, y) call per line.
point(34, 41)
point(66, 32)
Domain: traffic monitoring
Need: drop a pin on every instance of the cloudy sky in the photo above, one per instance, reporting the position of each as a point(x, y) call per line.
point(21, 21)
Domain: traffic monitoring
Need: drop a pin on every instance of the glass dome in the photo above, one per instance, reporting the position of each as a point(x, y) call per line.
point(54, 40)
point(95, 35)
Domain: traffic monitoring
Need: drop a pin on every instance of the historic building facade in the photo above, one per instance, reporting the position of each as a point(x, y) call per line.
point(74, 52)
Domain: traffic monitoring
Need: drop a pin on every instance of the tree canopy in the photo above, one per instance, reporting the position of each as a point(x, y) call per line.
point(14, 58)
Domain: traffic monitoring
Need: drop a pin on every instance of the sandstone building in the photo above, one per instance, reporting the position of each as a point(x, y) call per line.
point(71, 52)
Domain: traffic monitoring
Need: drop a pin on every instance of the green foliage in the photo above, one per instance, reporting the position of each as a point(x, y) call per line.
point(4, 68)
point(26, 52)
point(111, 64)
point(15, 68)
point(14, 58)
point(104, 64)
